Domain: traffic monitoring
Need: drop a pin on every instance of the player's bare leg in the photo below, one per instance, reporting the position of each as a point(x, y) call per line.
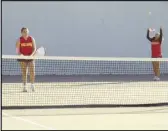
point(32, 74)
point(156, 69)
point(23, 66)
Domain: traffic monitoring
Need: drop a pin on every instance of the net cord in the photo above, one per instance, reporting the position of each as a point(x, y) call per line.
point(84, 58)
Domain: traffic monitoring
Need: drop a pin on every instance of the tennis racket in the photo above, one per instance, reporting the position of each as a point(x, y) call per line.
point(152, 32)
point(40, 51)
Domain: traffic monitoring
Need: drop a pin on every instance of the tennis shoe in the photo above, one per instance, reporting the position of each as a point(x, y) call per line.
point(24, 89)
point(156, 78)
point(32, 87)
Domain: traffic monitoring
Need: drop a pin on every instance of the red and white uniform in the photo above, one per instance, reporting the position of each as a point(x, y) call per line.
point(156, 49)
point(26, 46)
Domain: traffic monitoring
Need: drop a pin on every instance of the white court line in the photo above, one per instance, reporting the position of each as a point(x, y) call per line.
point(28, 121)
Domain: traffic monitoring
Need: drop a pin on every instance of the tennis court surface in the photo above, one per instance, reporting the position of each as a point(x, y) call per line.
point(151, 118)
point(86, 93)
point(85, 90)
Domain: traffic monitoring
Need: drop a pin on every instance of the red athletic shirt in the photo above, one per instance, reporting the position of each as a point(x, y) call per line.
point(26, 46)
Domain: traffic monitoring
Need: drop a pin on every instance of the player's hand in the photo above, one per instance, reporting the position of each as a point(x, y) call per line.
point(151, 30)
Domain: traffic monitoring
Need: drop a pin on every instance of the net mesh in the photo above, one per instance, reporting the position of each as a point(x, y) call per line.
point(85, 82)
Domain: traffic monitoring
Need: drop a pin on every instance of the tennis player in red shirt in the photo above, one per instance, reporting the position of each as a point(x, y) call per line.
point(156, 51)
point(26, 46)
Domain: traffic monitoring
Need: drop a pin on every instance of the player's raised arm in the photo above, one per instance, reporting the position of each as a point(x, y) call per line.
point(147, 36)
point(161, 35)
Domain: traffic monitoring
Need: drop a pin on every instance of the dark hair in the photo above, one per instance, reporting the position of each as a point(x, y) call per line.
point(24, 28)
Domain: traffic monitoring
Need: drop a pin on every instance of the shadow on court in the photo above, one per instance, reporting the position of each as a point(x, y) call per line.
point(87, 78)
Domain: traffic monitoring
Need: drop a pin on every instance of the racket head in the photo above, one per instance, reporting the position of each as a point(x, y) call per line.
point(40, 51)
point(152, 32)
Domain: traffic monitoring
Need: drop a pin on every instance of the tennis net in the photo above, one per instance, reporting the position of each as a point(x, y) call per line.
point(69, 82)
